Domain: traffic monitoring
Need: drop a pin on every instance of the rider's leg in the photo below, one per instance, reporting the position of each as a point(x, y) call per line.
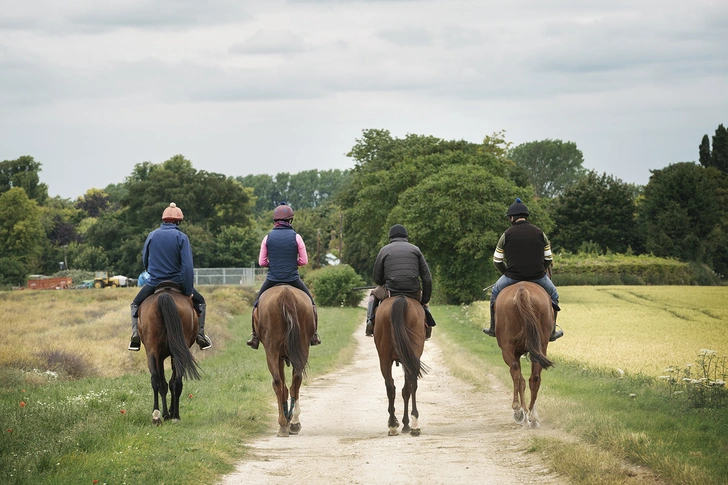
point(254, 341)
point(315, 339)
point(550, 288)
point(135, 341)
point(199, 301)
point(502, 282)
point(375, 298)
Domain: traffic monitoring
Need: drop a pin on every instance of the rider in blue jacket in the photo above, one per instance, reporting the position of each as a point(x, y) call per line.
point(167, 255)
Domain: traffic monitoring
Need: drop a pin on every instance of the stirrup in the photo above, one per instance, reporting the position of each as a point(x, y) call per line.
point(203, 341)
point(254, 341)
point(490, 331)
point(369, 332)
point(556, 333)
point(134, 345)
point(315, 340)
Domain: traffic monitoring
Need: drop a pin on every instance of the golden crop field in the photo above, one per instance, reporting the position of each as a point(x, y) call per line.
point(641, 328)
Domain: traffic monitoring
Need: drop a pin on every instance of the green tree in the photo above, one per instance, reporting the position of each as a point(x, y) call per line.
point(717, 157)
point(552, 165)
point(456, 217)
point(23, 173)
point(683, 205)
point(93, 202)
point(597, 208)
point(704, 152)
point(21, 235)
point(385, 168)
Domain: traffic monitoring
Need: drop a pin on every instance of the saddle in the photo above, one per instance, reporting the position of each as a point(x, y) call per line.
point(167, 285)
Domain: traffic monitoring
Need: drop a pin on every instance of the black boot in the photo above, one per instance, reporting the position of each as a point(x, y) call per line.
point(428, 332)
point(315, 339)
point(203, 340)
point(135, 343)
point(369, 332)
point(254, 342)
point(490, 331)
point(556, 333)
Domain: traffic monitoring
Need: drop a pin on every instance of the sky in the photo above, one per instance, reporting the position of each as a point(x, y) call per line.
point(90, 89)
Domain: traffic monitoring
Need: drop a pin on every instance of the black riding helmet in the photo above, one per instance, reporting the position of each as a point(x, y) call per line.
point(517, 208)
point(397, 230)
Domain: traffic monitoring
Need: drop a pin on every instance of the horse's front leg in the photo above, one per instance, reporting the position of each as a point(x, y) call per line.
point(175, 382)
point(295, 409)
point(406, 392)
point(415, 430)
point(519, 387)
point(534, 384)
point(279, 387)
point(392, 423)
point(156, 388)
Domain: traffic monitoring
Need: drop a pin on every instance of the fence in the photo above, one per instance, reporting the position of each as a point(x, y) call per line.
point(230, 276)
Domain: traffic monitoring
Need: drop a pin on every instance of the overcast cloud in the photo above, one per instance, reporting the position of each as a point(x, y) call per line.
point(246, 87)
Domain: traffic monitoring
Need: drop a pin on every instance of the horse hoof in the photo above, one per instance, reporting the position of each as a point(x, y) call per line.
point(393, 432)
point(283, 432)
point(406, 428)
point(519, 416)
point(415, 432)
point(156, 417)
point(295, 428)
point(534, 424)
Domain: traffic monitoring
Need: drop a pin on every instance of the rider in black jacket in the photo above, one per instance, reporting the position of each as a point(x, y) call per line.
point(398, 270)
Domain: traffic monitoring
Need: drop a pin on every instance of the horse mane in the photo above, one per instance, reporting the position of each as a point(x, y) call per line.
point(403, 340)
point(289, 312)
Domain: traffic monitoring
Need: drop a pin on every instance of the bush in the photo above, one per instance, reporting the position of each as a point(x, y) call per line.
point(333, 286)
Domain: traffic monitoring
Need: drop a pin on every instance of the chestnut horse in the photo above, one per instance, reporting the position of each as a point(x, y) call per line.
point(399, 335)
point(167, 328)
point(524, 319)
point(284, 323)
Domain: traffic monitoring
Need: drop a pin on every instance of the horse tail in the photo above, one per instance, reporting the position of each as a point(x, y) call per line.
point(531, 326)
point(289, 312)
point(184, 362)
point(410, 361)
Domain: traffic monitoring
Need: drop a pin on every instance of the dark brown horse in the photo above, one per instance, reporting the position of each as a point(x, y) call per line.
point(167, 328)
point(284, 323)
point(524, 319)
point(399, 335)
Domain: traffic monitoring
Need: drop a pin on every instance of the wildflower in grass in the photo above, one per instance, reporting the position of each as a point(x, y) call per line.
point(10, 430)
point(22, 390)
point(22, 404)
point(95, 481)
point(190, 396)
point(123, 411)
point(633, 396)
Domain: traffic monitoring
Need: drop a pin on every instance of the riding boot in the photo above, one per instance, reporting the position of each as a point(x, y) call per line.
point(369, 332)
point(254, 342)
point(490, 331)
point(556, 333)
point(428, 332)
point(203, 340)
point(315, 339)
point(135, 343)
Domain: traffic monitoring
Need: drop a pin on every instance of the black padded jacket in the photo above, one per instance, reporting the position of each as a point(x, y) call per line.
point(400, 266)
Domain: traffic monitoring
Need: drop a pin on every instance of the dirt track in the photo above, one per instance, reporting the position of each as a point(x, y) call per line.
point(344, 436)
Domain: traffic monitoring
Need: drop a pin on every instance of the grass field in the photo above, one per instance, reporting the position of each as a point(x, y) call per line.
point(75, 405)
point(630, 416)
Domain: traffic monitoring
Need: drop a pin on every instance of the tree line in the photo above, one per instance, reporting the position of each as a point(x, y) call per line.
point(451, 195)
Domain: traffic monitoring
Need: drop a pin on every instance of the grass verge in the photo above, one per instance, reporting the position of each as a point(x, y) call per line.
point(55, 429)
point(620, 417)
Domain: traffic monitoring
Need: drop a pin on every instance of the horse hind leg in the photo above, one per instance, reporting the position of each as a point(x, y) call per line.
point(415, 429)
point(392, 423)
point(519, 387)
point(534, 384)
point(406, 392)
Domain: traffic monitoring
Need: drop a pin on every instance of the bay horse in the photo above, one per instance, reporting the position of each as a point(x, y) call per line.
point(284, 323)
point(167, 328)
point(524, 319)
point(399, 335)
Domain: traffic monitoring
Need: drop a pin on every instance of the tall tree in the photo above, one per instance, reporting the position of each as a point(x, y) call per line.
point(456, 217)
point(706, 160)
point(93, 202)
point(552, 165)
point(385, 168)
point(21, 235)
point(720, 149)
point(683, 205)
point(23, 173)
point(600, 209)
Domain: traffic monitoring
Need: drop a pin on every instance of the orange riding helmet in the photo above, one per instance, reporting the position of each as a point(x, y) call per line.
point(172, 213)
